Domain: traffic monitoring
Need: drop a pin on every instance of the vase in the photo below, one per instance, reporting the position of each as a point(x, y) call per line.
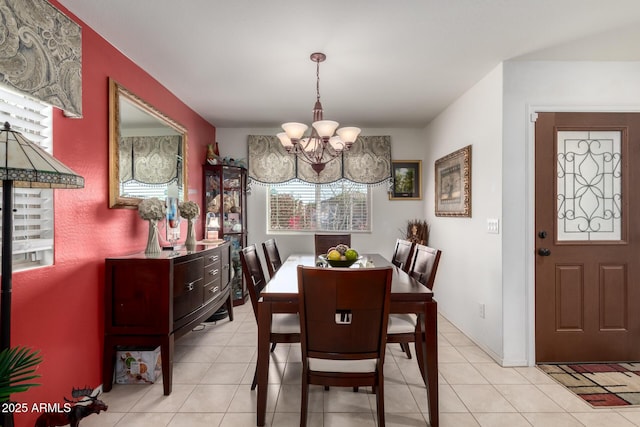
point(153, 245)
point(190, 242)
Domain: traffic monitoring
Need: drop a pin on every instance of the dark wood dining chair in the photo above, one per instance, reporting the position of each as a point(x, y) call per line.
point(272, 256)
point(325, 241)
point(403, 328)
point(402, 254)
point(343, 325)
point(285, 327)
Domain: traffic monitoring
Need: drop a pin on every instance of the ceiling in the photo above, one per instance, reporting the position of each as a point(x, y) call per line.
point(245, 63)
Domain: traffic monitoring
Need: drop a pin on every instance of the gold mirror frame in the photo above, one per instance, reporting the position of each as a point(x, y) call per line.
point(118, 94)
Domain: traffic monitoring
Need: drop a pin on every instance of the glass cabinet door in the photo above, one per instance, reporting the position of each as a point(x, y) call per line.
point(225, 204)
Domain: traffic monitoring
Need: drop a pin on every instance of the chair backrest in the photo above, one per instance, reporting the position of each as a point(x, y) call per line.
point(272, 256)
point(402, 254)
point(253, 275)
point(424, 264)
point(344, 312)
point(325, 241)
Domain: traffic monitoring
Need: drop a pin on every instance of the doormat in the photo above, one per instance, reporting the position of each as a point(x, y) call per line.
point(599, 384)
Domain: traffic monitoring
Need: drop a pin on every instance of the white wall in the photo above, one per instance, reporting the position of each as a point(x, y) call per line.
point(470, 271)
point(389, 217)
point(543, 86)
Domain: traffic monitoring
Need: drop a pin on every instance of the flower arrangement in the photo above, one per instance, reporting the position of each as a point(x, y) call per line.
point(151, 209)
point(417, 231)
point(189, 209)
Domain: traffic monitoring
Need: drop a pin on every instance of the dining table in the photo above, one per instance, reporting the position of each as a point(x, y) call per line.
point(280, 295)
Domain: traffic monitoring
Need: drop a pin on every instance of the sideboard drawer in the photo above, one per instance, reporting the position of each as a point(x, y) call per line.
point(187, 287)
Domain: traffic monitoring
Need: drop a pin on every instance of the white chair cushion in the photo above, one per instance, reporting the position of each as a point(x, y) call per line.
point(285, 323)
point(326, 365)
point(402, 323)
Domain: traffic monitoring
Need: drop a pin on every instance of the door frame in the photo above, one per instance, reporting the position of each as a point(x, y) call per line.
point(530, 241)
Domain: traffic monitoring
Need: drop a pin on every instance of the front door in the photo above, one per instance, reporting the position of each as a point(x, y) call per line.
point(587, 179)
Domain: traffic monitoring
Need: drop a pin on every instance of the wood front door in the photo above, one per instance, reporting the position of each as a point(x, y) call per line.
point(587, 179)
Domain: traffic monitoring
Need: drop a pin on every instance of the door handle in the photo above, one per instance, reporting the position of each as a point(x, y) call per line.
point(544, 252)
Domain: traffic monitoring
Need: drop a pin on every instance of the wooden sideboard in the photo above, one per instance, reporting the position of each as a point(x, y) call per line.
point(153, 300)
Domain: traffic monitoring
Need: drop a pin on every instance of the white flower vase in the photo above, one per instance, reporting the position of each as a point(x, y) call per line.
point(190, 242)
point(153, 245)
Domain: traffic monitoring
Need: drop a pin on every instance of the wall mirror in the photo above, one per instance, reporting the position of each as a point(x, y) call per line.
point(147, 150)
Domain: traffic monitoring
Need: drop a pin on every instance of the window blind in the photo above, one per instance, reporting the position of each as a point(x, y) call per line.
point(339, 206)
point(33, 216)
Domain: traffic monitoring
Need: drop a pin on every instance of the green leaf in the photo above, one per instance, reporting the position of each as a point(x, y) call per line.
point(17, 365)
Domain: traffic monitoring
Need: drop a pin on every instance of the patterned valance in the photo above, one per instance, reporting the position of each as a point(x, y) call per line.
point(41, 53)
point(367, 162)
point(150, 159)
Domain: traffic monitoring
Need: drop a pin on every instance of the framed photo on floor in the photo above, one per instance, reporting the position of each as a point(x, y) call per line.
point(407, 180)
point(453, 184)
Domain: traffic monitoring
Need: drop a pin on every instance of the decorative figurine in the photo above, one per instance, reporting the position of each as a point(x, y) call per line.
point(74, 411)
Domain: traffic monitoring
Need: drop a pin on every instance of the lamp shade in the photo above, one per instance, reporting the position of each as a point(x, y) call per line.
point(348, 134)
point(294, 130)
point(28, 165)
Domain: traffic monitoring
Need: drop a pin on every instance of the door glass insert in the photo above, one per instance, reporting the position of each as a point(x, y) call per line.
point(589, 185)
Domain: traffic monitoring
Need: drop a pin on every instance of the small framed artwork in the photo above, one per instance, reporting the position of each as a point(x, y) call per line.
point(407, 180)
point(453, 184)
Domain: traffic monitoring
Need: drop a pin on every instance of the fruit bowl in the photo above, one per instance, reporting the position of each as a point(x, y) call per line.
point(339, 262)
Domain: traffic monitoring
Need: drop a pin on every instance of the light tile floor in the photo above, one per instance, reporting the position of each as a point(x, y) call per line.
point(214, 366)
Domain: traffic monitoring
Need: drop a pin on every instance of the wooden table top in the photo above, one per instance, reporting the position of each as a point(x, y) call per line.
point(284, 283)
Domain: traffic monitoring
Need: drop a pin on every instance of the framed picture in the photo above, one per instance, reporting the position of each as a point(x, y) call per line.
point(407, 180)
point(453, 184)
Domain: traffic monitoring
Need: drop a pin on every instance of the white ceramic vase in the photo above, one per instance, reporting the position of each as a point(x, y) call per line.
point(153, 244)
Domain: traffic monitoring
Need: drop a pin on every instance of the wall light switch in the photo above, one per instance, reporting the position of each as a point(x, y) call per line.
point(493, 226)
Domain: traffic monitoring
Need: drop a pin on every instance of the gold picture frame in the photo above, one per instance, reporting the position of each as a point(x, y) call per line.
point(453, 184)
point(407, 180)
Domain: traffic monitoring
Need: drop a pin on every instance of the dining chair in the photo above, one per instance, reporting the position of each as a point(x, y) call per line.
point(403, 328)
point(325, 241)
point(343, 326)
point(285, 327)
point(272, 256)
point(402, 254)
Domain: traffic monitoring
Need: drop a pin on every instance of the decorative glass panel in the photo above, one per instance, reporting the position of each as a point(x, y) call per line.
point(589, 185)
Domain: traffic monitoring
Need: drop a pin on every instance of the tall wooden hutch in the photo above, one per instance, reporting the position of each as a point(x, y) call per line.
point(225, 206)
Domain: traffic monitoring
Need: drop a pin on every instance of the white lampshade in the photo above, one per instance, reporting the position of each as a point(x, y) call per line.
point(348, 134)
point(325, 128)
point(336, 143)
point(284, 140)
point(294, 130)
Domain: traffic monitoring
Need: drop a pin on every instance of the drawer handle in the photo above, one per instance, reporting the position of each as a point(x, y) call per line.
point(189, 286)
point(214, 290)
point(213, 272)
point(213, 258)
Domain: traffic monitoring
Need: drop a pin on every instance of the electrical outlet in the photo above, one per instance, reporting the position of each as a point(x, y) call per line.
point(481, 310)
point(493, 225)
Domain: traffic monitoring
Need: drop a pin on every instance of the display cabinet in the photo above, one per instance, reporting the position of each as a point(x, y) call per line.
point(225, 204)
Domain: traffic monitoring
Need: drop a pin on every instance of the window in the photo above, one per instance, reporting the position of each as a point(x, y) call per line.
point(339, 206)
point(33, 216)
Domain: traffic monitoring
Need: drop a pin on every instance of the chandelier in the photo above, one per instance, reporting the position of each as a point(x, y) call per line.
point(321, 146)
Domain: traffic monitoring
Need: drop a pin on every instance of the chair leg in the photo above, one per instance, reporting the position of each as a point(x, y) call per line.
point(255, 379)
point(304, 402)
point(273, 346)
point(406, 349)
point(379, 389)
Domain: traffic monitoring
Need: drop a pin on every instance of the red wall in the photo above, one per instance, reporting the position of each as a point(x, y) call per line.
point(59, 309)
